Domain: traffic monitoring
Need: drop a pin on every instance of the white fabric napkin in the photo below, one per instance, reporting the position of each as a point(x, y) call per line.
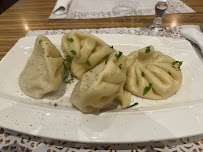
point(194, 35)
point(61, 7)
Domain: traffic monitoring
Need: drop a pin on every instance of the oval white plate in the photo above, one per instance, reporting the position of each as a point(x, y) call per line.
point(180, 115)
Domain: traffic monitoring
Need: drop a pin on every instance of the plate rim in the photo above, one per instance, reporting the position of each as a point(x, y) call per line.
point(11, 105)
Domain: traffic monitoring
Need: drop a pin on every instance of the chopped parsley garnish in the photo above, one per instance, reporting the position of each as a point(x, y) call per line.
point(88, 63)
point(69, 80)
point(169, 73)
point(73, 52)
point(147, 49)
point(120, 66)
point(65, 66)
point(118, 55)
point(65, 78)
point(146, 89)
point(142, 74)
point(178, 63)
point(70, 39)
point(68, 58)
point(47, 56)
point(136, 103)
point(106, 61)
point(55, 105)
point(67, 63)
point(111, 47)
point(69, 68)
point(40, 41)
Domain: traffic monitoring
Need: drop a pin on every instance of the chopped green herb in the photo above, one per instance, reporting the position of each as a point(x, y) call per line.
point(47, 56)
point(146, 89)
point(40, 41)
point(136, 103)
point(68, 58)
point(68, 81)
point(169, 73)
point(147, 49)
point(111, 47)
point(88, 63)
point(120, 66)
point(65, 78)
point(55, 105)
point(65, 66)
point(178, 63)
point(142, 74)
point(73, 52)
point(118, 55)
point(69, 68)
point(67, 63)
point(70, 39)
point(106, 61)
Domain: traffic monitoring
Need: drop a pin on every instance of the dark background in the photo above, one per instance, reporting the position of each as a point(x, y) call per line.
point(5, 4)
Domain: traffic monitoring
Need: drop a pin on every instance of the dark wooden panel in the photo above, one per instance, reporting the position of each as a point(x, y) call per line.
point(33, 15)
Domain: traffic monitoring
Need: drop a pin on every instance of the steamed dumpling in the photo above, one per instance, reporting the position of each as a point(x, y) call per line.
point(86, 50)
point(152, 75)
point(100, 86)
point(43, 71)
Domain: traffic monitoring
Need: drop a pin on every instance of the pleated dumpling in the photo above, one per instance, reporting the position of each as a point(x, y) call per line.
point(152, 75)
point(43, 71)
point(86, 50)
point(100, 86)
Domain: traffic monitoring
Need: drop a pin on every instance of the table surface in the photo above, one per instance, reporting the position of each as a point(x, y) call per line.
point(28, 15)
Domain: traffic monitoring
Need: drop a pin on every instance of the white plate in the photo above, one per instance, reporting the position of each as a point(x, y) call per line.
point(180, 115)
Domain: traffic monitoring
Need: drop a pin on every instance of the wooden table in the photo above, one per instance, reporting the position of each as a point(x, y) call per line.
point(28, 15)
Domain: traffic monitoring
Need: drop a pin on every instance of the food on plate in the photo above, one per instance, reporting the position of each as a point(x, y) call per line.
point(103, 72)
point(100, 86)
point(86, 50)
point(152, 74)
point(43, 71)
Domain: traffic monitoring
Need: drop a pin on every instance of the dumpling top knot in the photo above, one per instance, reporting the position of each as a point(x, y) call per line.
point(152, 74)
point(146, 54)
point(43, 71)
point(99, 87)
point(86, 50)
